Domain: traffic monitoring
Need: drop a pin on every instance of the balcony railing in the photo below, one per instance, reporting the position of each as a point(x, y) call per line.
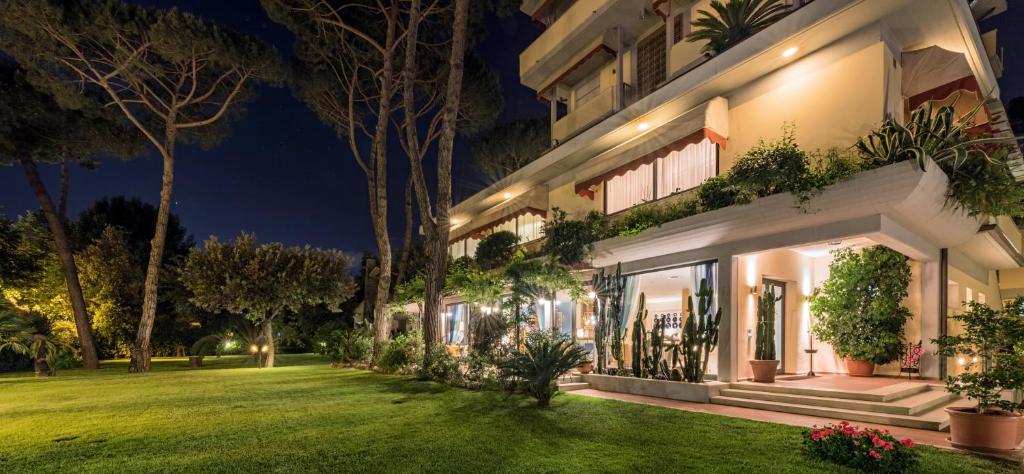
point(595, 109)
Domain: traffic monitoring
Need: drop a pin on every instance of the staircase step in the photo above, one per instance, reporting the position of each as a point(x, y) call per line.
point(912, 405)
point(571, 386)
point(883, 394)
point(935, 420)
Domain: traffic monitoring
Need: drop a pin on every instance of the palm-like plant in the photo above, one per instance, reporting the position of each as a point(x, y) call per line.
point(237, 332)
point(17, 335)
point(734, 21)
point(547, 356)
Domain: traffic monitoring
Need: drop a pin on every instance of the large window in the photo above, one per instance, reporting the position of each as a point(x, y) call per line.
point(528, 225)
point(677, 171)
point(455, 323)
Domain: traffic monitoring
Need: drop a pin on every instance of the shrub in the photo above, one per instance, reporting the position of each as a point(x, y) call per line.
point(441, 366)
point(859, 308)
point(547, 356)
point(401, 353)
point(992, 346)
point(572, 241)
point(866, 449)
point(640, 219)
point(718, 192)
point(496, 250)
point(347, 346)
point(771, 167)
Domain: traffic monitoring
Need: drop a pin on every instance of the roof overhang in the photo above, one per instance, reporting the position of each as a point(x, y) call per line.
point(992, 249)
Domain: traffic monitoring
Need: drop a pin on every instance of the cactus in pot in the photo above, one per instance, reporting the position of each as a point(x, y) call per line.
point(765, 364)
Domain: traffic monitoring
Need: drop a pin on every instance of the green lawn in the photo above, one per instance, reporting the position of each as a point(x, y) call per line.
point(305, 416)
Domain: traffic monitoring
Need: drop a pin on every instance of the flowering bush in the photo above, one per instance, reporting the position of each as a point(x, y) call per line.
point(860, 448)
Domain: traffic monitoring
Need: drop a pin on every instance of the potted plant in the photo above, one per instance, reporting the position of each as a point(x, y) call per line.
point(991, 350)
point(859, 308)
point(765, 364)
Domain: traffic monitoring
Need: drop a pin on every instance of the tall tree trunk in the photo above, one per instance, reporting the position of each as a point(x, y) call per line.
point(140, 350)
point(441, 225)
point(268, 340)
point(403, 258)
point(67, 263)
point(62, 207)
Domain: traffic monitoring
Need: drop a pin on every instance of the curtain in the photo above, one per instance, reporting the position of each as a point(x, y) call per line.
point(456, 315)
point(629, 189)
point(686, 169)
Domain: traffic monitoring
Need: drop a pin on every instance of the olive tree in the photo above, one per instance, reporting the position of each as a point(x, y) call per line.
point(173, 76)
point(261, 281)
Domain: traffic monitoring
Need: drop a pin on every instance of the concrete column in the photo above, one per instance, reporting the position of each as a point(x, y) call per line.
point(620, 90)
point(727, 331)
point(931, 323)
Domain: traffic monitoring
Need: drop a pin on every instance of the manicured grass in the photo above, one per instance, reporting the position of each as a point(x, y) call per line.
point(305, 416)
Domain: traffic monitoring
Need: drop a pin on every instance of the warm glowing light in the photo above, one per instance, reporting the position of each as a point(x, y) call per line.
point(974, 359)
point(643, 126)
point(790, 51)
point(507, 196)
point(253, 348)
point(961, 361)
point(265, 348)
point(591, 295)
point(580, 333)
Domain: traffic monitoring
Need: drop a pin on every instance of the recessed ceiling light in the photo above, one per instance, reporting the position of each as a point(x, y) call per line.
point(507, 195)
point(673, 277)
point(643, 126)
point(790, 51)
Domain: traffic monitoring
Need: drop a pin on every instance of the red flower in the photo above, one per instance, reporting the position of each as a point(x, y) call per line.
point(878, 442)
point(909, 443)
point(874, 455)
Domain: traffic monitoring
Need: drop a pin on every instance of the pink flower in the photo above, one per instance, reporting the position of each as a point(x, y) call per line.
point(878, 442)
point(874, 455)
point(909, 443)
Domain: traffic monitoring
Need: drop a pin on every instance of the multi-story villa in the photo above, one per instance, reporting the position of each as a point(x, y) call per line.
point(640, 115)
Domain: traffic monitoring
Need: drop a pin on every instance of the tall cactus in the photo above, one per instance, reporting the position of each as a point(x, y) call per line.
point(699, 336)
point(765, 342)
point(616, 302)
point(608, 330)
point(639, 337)
point(653, 363)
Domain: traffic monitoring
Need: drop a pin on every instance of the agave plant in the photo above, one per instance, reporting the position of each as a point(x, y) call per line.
point(548, 355)
point(734, 21)
point(938, 135)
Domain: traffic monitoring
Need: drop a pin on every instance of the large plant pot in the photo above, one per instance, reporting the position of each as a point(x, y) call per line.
point(860, 368)
point(195, 361)
point(586, 367)
point(990, 432)
point(764, 370)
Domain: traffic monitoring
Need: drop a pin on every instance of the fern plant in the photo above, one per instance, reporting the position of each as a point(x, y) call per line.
point(734, 21)
point(547, 356)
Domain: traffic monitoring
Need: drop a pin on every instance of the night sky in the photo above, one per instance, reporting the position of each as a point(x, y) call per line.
point(285, 176)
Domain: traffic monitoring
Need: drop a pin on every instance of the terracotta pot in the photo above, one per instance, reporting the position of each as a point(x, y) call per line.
point(586, 367)
point(453, 350)
point(764, 370)
point(860, 368)
point(195, 361)
point(989, 432)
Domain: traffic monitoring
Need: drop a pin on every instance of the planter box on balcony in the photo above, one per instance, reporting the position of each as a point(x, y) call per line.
point(685, 391)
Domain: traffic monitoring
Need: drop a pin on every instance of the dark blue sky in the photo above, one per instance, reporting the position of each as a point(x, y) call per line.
point(285, 176)
point(281, 173)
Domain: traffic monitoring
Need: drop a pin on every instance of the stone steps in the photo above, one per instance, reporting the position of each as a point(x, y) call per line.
point(571, 386)
point(909, 406)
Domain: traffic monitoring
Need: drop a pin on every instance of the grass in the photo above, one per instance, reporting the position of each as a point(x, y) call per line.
point(305, 417)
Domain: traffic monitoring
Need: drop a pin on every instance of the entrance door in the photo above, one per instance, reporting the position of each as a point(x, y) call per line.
point(779, 288)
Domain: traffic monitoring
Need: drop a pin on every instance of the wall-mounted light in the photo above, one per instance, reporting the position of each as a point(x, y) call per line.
point(642, 126)
point(790, 51)
point(754, 290)
point(591, 295)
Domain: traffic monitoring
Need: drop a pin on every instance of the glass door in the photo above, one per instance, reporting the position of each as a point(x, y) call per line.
point(779, 288)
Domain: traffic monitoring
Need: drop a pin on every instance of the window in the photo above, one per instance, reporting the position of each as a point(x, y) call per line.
point(686, 169)
point(679, 170)
point(529, 227)
point(455, 323)
point(457, 249)
point(630, 189)
point(471, 244)
point(651, 62)
point(680, 28)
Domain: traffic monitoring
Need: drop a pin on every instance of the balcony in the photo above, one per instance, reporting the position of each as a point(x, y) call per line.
point(594, 110)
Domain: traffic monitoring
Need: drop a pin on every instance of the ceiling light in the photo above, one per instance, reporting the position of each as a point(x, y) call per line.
point(643, 126)
point(507, 196)
point(790, 51)
point(673, 277)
